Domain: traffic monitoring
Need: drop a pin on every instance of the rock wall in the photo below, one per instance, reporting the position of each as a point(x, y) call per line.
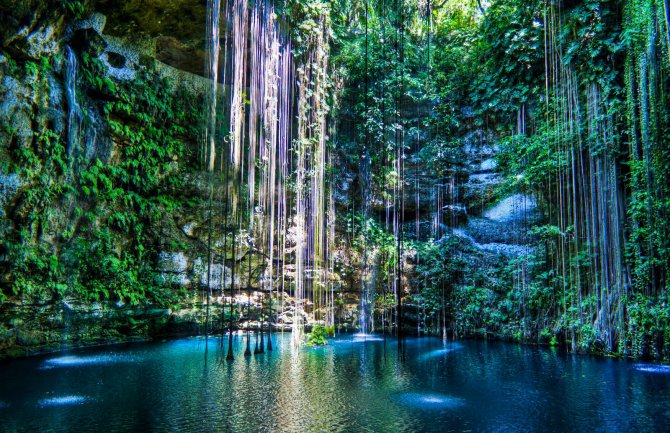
point(139, 45)
point(128, 45)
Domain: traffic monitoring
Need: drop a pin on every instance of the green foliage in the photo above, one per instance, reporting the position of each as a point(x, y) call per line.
point(601, 119)
point(133, 191)
point(366, 232)
point(318, 336)
point(473, 309)
point(379, 85)
point(649, 326)
point(511, 56)
point(592, 35)
point(76, 9)
point(578, 92)
point(370, 240)
point(329, 330)
point(308, 20)
point(43, 166)
point(83, 225)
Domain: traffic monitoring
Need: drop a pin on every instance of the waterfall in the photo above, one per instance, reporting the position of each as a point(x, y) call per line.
point(74, 112)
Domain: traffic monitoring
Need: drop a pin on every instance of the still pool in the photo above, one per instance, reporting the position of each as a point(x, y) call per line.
point(355, 384)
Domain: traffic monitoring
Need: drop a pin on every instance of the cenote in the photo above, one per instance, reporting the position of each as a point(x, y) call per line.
point(351, 384)
point(435, 215)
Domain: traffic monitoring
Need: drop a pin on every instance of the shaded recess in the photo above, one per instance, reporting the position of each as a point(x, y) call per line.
point(176, 27)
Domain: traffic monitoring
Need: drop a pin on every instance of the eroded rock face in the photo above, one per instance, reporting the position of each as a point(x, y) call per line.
point(16, 110)
point(121, 59)
point(9, 186)
point(516, 207)
point(175, 53)
point(19, 17)
point(482, 181)
point(176, 29)
point(34, 98)
point(173, 268)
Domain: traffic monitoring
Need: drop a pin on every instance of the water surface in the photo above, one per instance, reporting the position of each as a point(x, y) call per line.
point(357, 383)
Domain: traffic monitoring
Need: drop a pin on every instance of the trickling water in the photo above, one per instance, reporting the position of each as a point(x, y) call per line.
point(74, 111)
point(363, 320)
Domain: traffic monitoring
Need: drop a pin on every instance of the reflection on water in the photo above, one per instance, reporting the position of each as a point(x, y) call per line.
point(363, 338)
point(356, 383)
point(653, 368)
point(440, 352)
point(79, 361)
point(430, 401)
point(62, 401)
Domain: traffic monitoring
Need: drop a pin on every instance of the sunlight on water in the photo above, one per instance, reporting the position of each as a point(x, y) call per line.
point(362, 337)
point(653, 368)
point(66, 400)
point(349, 385)
point(440, 352)
point(81, 361)
point(430, 401)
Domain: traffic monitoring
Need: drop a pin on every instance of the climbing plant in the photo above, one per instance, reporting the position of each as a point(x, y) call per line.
point(83, 222)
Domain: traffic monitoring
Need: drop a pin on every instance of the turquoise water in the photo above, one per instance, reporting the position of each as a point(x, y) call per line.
point(356, 383)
